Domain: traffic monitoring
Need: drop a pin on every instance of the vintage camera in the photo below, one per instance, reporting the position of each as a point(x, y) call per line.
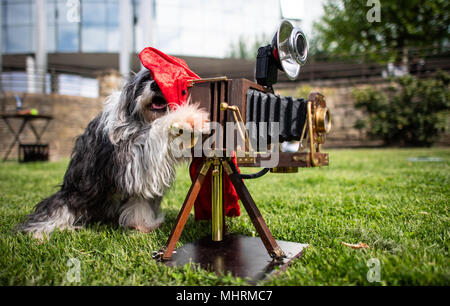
point(255, 109)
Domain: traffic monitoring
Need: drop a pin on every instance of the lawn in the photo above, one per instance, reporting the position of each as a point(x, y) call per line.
point(399, 208)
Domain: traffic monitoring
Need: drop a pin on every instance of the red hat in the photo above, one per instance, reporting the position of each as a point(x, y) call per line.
point(170, 73)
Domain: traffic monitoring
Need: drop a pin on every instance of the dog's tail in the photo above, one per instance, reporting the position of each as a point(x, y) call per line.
point(49, 214)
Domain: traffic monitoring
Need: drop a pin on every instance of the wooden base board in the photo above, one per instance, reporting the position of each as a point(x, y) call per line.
point(242, 256)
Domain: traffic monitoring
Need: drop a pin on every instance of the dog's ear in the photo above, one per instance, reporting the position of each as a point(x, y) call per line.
point(142, 99)
point(141, 80)
point(133, 89)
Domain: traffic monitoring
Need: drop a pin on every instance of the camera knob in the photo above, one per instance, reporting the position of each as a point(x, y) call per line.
point(224, 106)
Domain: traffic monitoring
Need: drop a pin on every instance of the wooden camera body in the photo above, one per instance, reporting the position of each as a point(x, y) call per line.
point(229, 100)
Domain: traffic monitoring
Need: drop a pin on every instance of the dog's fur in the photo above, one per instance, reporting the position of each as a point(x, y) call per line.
point(122, 165)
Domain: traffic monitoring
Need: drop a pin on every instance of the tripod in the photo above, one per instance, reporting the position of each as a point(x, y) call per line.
point(219, 165)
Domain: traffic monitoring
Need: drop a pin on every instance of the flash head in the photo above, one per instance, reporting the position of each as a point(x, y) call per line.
point(288, 52)
point(292, 49)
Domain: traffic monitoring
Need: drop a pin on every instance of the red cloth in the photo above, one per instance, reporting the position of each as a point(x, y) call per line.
point(203, 203)
point(170, 73)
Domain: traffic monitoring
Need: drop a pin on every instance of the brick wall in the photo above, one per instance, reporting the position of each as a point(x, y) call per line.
point(70, 117)
point(344, 116)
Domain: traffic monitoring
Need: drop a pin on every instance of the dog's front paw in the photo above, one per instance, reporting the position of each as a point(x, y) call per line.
point(189, 119)
point(178, 128)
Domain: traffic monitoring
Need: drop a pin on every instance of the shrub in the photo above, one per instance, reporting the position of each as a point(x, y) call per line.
point(408, 113)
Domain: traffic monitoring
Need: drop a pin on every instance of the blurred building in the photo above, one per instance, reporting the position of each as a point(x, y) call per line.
point(68, 46)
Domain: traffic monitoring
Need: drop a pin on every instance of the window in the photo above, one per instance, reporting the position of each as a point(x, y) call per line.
point(100, 26)
point(17, 81)
point(75, 85)
point(67, 38)
point(17, 26)
point(97, 31)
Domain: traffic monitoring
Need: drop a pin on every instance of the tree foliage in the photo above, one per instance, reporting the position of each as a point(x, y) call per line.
point(345, 30)
point(408, 113)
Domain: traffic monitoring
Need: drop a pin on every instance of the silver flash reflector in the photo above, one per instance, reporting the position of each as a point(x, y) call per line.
point(292, 47)
point(287, 52)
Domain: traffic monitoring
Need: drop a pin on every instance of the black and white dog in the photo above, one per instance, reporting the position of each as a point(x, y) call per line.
point(123, 163)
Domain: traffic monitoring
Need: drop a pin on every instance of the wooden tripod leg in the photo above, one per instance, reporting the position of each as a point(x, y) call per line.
point(258, 221)
point(184, 211)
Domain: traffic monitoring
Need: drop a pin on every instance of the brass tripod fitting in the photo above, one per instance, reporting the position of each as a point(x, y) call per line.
point(217, 226)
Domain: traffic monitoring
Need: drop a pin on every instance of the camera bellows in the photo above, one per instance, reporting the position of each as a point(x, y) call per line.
point(264, 109)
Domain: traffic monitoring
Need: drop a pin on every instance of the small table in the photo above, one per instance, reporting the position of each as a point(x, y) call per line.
point(26, 118)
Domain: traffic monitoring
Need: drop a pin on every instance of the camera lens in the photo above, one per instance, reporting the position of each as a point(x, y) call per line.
point(323, 120)
point(300, 45)
point(327, 122)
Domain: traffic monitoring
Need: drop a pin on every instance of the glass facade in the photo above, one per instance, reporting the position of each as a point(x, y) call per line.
point(17, 26)
point(181, 27)
point(100, 26)
point(72, 26)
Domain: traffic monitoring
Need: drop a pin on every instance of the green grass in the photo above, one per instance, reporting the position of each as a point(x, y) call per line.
point(400, 209)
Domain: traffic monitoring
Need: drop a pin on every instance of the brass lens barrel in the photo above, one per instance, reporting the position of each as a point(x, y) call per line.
point(217, 202)
point(323, 120)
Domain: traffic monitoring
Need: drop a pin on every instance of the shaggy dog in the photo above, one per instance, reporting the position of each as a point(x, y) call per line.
point(123, 163)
